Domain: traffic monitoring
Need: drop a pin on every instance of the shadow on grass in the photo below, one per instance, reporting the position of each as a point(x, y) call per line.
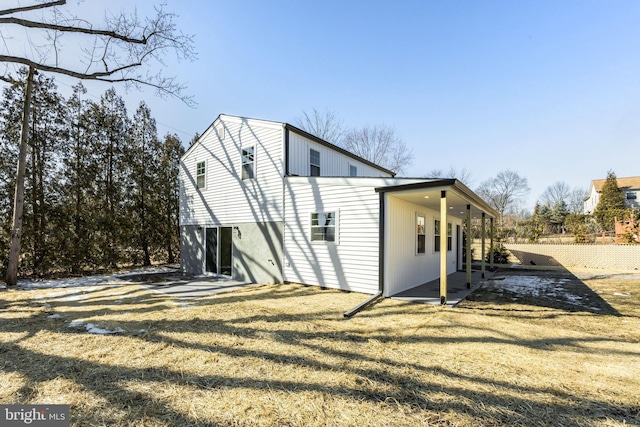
point(378, 378)
point(555, 288)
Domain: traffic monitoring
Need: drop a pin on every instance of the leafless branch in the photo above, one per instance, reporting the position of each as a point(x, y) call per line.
point(124, 50)
point(71, 29)
point(33, 7)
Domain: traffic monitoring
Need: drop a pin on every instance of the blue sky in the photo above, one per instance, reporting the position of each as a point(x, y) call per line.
point(549, 89)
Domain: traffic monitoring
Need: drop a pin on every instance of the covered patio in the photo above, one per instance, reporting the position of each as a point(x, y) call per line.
point(452, 203)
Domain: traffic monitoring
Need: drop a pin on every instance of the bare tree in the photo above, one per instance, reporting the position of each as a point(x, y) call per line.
point(463, 175)
point(325, 125)
point(127, 49)
point(504, 192)
point(556, 193)
point(576, 199)
point(380, 145)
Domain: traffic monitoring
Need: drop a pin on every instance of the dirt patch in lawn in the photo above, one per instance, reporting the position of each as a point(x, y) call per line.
point(284, 355)
point(556, 288)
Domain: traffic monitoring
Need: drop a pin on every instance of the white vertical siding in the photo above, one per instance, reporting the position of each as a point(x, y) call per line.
point(351, 263)
point(227, 198)
point(332, 163)
point(405, 268)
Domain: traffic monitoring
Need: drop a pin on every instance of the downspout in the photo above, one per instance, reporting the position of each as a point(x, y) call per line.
point(373, 299)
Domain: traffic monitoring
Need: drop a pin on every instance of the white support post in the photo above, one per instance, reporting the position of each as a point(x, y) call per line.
point(443, 247)
point(491, 240)
point(484, 243)
point(468, 247)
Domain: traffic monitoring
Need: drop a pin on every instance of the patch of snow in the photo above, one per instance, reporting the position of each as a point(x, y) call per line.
point(537, 287)
point(618, 294)
point(54, 316)
point(92, 329)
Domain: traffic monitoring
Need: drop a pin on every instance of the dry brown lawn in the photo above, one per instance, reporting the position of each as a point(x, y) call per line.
point(283, 355)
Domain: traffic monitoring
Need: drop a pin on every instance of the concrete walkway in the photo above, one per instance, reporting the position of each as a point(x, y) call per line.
point(429, 293)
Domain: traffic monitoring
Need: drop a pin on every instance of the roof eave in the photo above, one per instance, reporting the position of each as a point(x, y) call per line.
point(336, 148)
point(454, 183)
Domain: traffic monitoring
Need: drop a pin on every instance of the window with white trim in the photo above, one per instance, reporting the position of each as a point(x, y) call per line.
point(248, 163)
point(314, 162)
point(631, 195)
point(436, 235)
point(449, 236)
point(323, 226)
point(201, 175)
point(420, 233)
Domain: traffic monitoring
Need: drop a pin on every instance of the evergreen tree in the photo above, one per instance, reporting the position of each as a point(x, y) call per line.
point(145, 171)
point(10, 118)
point(611, 203)
point(171, 152)
point(557, 216)
point(110, 129)
point(43, 181)
point(534, 225)
point(100, 190)
point(78, 220)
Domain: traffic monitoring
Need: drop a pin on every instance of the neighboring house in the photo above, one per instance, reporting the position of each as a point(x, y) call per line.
point(630, 188)
point(266, 202)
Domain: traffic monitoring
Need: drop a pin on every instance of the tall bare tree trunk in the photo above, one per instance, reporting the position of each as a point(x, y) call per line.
point(18, 205)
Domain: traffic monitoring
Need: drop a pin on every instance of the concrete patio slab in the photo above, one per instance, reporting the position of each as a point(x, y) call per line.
point(429, 293)
point(179, 285)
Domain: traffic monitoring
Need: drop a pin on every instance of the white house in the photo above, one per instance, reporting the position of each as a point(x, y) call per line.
point(630, 188)
point(266, 202)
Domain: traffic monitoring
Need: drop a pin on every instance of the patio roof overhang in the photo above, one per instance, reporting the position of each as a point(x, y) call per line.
point(428, 194)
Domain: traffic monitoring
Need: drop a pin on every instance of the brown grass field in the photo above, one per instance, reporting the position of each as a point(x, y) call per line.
point(283, 355)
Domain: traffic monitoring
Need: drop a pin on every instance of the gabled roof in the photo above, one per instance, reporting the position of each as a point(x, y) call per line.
point(300, 132)
point(336, 148)
point(629, 183)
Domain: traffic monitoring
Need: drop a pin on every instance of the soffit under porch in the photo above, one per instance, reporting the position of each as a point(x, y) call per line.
point(428, 194)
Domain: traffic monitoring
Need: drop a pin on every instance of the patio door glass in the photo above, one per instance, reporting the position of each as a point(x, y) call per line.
point(211, 254)
point(226, 237)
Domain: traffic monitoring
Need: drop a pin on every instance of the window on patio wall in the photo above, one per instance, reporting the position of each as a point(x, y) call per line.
point(420, 233)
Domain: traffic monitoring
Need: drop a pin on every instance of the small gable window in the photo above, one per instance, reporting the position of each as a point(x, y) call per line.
point(353, 170)
point(201, 174)
point(314, 161)
point(248, 163)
